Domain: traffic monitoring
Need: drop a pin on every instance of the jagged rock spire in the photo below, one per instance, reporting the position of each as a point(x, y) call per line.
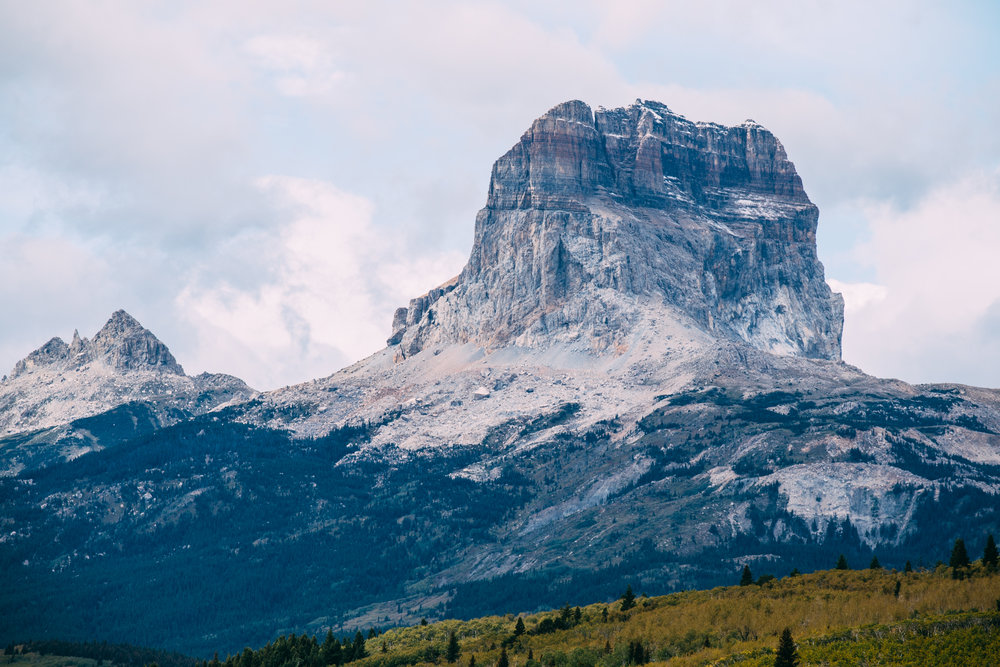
point(122, 343)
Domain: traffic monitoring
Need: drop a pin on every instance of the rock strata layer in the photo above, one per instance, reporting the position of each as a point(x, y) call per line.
point(596, 222)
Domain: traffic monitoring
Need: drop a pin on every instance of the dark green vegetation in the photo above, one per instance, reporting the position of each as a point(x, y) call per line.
point(213, 534)
point(53, 652)
point(241, 522)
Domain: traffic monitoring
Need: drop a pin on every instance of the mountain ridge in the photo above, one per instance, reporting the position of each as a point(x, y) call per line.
point(124, 362)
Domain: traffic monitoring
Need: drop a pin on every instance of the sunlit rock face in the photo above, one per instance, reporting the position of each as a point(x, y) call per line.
point(597, 222)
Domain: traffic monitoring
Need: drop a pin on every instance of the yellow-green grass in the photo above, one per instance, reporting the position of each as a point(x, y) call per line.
point(836, 617)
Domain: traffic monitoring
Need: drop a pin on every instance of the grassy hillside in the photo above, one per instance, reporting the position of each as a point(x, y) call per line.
point(836, 617)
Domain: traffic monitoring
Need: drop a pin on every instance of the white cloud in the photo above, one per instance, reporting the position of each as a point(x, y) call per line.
point(932, 314)
point(333, 283)
point(301, 66)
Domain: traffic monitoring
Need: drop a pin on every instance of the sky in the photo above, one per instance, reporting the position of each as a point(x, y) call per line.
point(262, 183)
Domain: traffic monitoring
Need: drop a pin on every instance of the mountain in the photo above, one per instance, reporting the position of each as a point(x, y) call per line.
point(124, 363)
point(636, 376)
point(597, 224)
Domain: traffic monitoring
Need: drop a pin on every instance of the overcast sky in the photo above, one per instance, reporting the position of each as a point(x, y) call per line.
point(262, 183)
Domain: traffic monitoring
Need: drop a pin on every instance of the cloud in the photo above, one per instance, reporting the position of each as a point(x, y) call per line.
point(931, 314)
point(332, 283)
point(301, 66)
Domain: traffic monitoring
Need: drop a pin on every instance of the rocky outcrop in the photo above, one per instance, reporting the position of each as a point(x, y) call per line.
point(123, 362)
point(595, 223)
point(122, 344)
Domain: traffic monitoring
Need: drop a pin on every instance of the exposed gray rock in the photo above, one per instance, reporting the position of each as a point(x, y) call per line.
point(595, 223)
point(123, 362)
point(125, 344)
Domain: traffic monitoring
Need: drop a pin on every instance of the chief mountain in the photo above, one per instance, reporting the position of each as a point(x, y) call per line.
point(635, 379)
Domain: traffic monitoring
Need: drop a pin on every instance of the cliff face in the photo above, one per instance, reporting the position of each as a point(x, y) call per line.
point(596, 223)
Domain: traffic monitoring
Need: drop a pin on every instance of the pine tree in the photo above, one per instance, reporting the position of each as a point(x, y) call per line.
point(908, 567)
point(565, 617)
point(747, 577)
point(604, 614)
point(990, 559)
point(531, 655)
point(503, 661)
point(875, 565)
point(959, 556)
point(842, 562)
point(451, 655)
point(472, 661)
point(637, 654)
point(519, 627)
point(787, 656)
point(898, 586)
point(628, 598)
point(359, 646)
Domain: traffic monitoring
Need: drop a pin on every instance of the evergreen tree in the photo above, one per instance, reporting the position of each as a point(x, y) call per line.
point(565, 617)
point(519, 627)
point(503, 661)
point(637, 654)
point(787, 656)
point(628, 598)
point(794, 573)
point(908, 567)
point(875, 565)
point(451, 655)
point(472, 661)
point(990, 559)
point(359, 646)
point(747, 577)
point(577, 614)
point(959, 556)
point(531, 654)
point(842, 562)
point(328, 652)
point(604, 614)
point(898, 586)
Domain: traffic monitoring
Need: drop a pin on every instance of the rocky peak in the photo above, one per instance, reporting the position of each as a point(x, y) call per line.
point(54, 350)
point(126, 345)
point(122, 363)
point(597, 222)
point(122, 343)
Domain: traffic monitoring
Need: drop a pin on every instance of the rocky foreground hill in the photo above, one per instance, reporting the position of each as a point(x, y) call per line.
point(636, 377)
